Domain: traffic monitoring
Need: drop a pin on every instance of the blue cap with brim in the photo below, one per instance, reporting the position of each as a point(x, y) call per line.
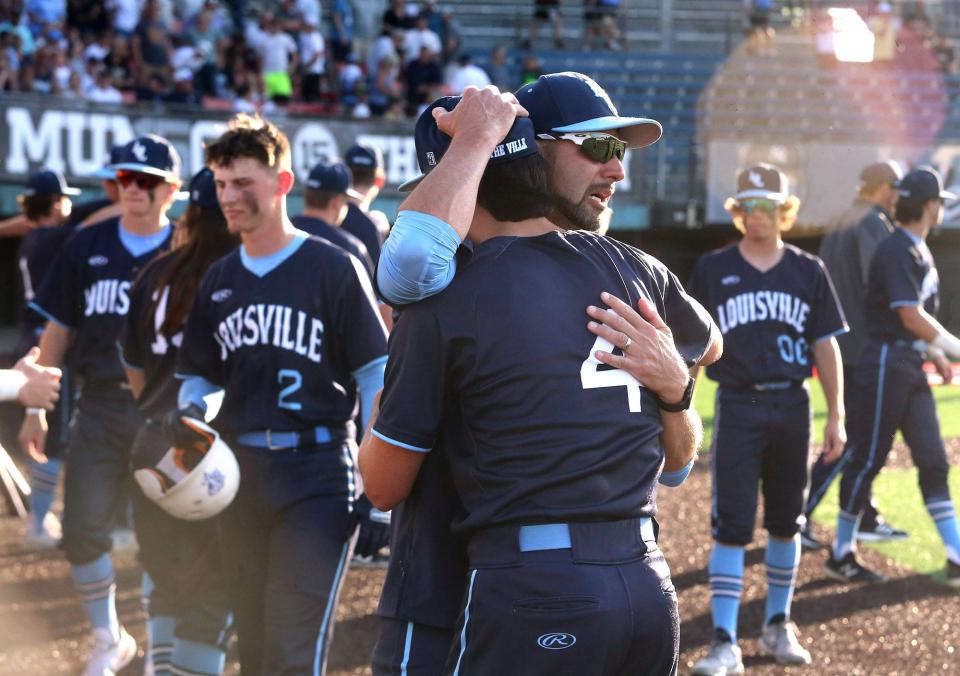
point(569, 102)
point(150, 154)
point(48, 182)
point(922, 184)
point(332, 176)
point(203, 190)
point(432, 143)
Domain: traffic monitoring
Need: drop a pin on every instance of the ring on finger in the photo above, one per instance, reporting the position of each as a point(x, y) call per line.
point(626, 345)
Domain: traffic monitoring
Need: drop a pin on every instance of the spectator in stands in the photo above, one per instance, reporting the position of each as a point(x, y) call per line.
point(350, 80)
point(120, 63)
point(278, 54)
point(8, 76)
point(760, 33)
point(103, 90)
point(418, 38)
point(74, 90)
point(423, 79)
point(531, 70)
point(498, 70)
point(154, 90)
point(126, 16)
point(385, 89)
point(433, 16)
point(90, 17)
point(545, 11)
point(61, 72)
point(341, 31)
point(97, 48)
point(389, 43)
point(397, 17)
point(183, 92)
point(206, 40)
point(27, 80)
point(465, 74)
point(245, 101)
point(884, 26)
point(152, 48)
point(600, 24)
point(451, 36)
point(288, 18)
point(314, 60)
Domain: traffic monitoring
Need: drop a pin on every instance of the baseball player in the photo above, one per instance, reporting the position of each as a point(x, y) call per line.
point(779, 316)
point(846, 251)
point(891, 386)
point(47, 208)
point(368, 225)
point(30, 384)
point(287, 328)
point(547, 545)
point(85, 298)
point(184, 591)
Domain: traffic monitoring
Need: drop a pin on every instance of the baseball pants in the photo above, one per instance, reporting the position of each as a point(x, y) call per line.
point(892, 394)
point(602, 606)
point(98, 480)
point(287, 540)
point(410, 649)
point(183, 560)
point(761, 442)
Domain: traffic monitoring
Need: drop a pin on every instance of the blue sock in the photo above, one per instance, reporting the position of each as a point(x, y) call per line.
point(945, 518)
point(160, 635)
point(847, 525)
point(782, 559)
point(726, 583)
point(96, 585)
point(43, 486)
point(190, 657)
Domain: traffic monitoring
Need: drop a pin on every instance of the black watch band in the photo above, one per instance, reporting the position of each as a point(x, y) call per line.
point(684, 402)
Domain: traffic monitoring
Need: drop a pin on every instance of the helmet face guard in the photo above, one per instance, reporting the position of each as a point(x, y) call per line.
point(196, 482)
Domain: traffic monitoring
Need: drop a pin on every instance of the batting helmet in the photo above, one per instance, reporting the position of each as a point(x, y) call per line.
point(195, 482)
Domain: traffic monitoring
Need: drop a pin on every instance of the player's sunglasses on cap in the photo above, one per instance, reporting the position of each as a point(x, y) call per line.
point(148, 182)
point(597, 146)
point(767, 206)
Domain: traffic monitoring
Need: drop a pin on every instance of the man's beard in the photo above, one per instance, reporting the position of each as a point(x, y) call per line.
point(578, 214)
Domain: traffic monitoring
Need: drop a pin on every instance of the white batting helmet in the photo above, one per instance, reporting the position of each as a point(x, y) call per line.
point(193, 483)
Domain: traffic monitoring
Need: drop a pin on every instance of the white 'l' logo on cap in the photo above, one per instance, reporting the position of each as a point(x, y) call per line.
point(756, 179)
point(139, 151)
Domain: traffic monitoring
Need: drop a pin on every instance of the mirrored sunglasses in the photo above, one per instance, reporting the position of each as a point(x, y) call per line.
point(596, 146)
point(765, 205)
point(142, 181)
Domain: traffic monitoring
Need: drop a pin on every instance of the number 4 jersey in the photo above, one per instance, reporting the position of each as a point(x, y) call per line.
point(548, 433)
point(284, 342)
point(769, 320)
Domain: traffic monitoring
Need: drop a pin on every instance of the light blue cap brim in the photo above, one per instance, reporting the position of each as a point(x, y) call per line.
point(762, 194)
point(104, 173)
point(638, 132)
point(144, 169)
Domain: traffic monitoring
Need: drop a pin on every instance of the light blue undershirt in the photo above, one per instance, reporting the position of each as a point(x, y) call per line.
point(261, 265)
point(138, 245)
point(418, 259)
point(674, 479)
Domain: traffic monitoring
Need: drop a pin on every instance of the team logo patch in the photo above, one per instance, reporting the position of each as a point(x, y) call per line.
point(221, 295)
point(756, 179)
point(97, 261)
point(139, 151)
point(213, 482)
point(556, 641)
point(730, 280)
point(431, 159)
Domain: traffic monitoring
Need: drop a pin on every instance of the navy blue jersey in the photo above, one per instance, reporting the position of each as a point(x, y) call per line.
point(550, 433)
point(363, 228)
point(144, 347)
point(902, 273)
point(39, 249)
point(768, 319)
point(341, 238)
point(283, 346)
point(88, 291)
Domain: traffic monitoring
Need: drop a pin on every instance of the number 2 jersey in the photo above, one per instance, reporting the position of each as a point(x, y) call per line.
point(283, 345)
point(548, 433)
point(769, 320)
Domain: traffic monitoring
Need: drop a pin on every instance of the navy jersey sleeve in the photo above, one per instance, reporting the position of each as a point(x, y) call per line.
point(131, 338)
point(358, 318)
point(199, 352)
point(689, 321)
point(411, 405)
point(697, 286)
point(57, 298)
point(826, 317)
point(895, 269)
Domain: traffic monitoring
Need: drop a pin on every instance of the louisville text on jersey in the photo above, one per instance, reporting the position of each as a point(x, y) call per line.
point(759, 306)
point(107, 296)
point(268, 324)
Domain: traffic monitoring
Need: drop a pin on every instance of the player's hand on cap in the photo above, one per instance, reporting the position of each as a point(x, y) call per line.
point(33, 435)
point(42, 386)
point(649, 353)
point(374, 528)
point(484, 113)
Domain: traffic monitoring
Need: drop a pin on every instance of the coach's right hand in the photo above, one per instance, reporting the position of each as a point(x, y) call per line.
point(33, 434)
point(482, 114)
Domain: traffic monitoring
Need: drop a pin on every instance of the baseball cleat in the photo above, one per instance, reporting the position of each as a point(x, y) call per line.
point(47, 538)
point(724, 658)
point(779, 639)
point(848, 569)
point(808, 541)
point(108, 657)
point(953, 574)
point(880, 531)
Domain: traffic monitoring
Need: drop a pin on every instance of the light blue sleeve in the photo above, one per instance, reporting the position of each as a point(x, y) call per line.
point(192, 391)
point(369, 379)
point(674, 479)
point(418, 259)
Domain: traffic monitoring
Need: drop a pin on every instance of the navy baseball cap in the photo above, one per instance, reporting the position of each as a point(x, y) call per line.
point(763, 180)
point(150, 154)
point(363, 155)
point(572, 102)
point(432, 143)
point(106, 172)
point(48, 182)
point(332, 176)
point(922, 184)
point(203, 190)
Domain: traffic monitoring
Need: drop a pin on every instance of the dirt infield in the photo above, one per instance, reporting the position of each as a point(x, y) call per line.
point(910, 625)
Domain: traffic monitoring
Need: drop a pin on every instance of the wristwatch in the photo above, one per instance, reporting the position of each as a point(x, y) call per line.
point(684, 402)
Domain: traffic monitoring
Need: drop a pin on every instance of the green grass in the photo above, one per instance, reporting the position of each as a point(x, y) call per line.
point(948, 407)
point(898, 496)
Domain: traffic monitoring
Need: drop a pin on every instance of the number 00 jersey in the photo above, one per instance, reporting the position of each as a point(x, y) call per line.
point(549, 433)
point(769, 319)
point(283, 346)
